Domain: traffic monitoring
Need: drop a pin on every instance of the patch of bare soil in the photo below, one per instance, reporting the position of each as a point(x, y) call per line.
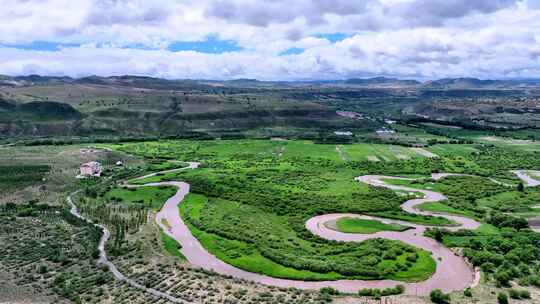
point(424, 152)
point(373, 158)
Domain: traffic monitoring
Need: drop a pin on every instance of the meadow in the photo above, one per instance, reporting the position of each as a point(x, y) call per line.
point(254, 197)
point(150, 197)
point(250, 199)
point(356, 225)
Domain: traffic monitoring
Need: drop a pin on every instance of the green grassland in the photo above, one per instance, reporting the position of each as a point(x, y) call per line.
point(524, 203)
point(150, 197)
point(16, 177)
point(453, 150)
point(264, 234)
point(356, 225)
point(464, 194)
point(439, 207)
point(414, 218)
point(171, 246)
point(251, 198)
point(378, 152)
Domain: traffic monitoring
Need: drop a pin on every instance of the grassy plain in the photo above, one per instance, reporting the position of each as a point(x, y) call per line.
point(251, 198)
point(356, 225)
point(251, 256)
point(171, 246)
point(151, 197)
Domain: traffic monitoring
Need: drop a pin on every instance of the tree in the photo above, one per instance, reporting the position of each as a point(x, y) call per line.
point(502, 298)
point(42, 269)
point(439, 235)
point(438, 297)
point(520, 187)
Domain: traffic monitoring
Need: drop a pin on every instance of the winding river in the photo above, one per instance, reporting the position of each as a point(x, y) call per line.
point(452, 273)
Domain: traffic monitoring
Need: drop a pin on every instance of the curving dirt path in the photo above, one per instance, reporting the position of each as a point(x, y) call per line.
point(530, 178)
point(104, 260)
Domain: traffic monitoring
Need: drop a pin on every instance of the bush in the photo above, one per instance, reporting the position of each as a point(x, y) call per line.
point(329, 291)
point(438, 297)
point(467, 292)
point(438, 235)
point(514, 294)
point(377, 293)
point(42, 269)
point(524, 294)
point(519, 294)
point(502, 298)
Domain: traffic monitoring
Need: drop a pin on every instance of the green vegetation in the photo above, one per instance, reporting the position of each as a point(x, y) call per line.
point(378, 293)
point(57, 261)
point(508, 253)
point(502, 298)
point(438, 297)
point(155, 165)
point(251, 197)
point(15, 177)
point(453, 150)
point(443, 208)
point(377, 152)
point(256, 194)
point(171, 245)
point(464, 194)
point(414, 218)
point(149, 197)
point(356, 225)
point(524, 203)
point(259, 242)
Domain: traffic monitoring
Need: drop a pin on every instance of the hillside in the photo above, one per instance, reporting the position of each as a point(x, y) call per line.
point(140, 106)
point(136, 106)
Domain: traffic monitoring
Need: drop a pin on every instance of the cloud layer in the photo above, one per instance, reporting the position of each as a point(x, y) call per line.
point(331, 38)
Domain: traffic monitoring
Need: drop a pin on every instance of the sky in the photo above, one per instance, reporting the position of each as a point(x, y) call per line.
point(272, 39)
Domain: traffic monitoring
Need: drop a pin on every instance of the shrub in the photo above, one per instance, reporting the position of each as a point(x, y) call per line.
point(438, 235)
point(502, 298)
point(377, 293)
point(467, 292)
point(524, 294)
point(42, 269)
point(438, 297)
point(329, 291)
point(514, 294)
point(519, 294)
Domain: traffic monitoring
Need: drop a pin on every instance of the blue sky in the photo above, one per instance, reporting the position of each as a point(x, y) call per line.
point(274, 40)
point(210, 45)
point(45, 46)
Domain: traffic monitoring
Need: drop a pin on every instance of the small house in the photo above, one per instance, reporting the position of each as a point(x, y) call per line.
point(91, 169)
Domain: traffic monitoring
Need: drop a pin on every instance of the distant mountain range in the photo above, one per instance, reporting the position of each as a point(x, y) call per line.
point(375, 82)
